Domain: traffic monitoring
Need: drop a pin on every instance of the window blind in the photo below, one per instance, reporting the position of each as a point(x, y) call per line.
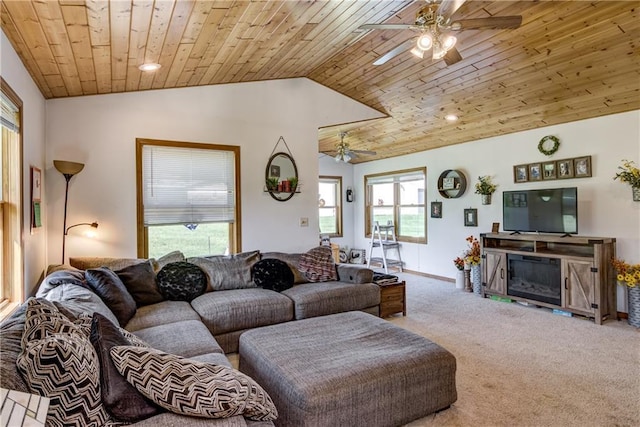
point(187, 185)
point(397, 177)
point(9, 114)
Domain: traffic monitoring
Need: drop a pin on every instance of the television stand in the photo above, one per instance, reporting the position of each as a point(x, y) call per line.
point(587, 278)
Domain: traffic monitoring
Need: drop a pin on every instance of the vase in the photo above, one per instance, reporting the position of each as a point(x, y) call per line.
point(476, 279)
point(636, 193)
point(467, 280)
point(460, 279)
point(486, 199)
point(633, 300)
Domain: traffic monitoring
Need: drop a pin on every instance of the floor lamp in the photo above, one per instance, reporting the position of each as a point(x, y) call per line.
point(68, 169)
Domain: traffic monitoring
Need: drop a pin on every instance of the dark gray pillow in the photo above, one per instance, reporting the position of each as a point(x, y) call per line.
point(108, 286)
point(272, 274)
point(181, 281)
point(140, 281)
point(122, 400)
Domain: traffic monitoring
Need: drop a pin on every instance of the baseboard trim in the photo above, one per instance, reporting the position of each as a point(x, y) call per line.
point(431, 276)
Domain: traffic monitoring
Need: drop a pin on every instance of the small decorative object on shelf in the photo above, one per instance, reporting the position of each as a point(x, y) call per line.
point(628, 275)
point(630, 174)
point(485, 188)
point(548, 145)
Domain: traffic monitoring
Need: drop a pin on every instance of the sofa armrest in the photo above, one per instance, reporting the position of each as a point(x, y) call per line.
point(353, 273)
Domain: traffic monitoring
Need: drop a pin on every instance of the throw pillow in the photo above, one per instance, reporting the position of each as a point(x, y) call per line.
point(108, 286)
point(181, 281)
point(228, 272)
point(175, 256)
point(318, 265)
point(140, 281)
point(272, 274)
point(193, 388)
point(64, 368)
point(292, 260)
point(122, 400)
point(42, 319)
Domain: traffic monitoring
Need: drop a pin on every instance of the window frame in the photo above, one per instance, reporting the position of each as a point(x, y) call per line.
point(338, 197)
point(396, 207)
point(235, 234)
point(12, 258)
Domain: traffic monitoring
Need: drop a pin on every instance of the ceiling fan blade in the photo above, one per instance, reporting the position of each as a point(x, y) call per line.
point(448, 7)
point(452, 56)
point(394, 52)
point(386, 27)
point(493, 23)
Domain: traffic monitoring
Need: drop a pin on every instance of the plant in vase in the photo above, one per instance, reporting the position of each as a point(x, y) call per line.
point(472, 258)
point(486, 188)
point(628, 275)
point(630, 174)
point(272, 183)
point(293, 183)
point(459, 263)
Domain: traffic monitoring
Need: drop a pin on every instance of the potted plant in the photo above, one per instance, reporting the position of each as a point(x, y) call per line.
point(272, 183)
point(628, 275)
point(459, 263)
point(486, 188)
point(630, 174)
point(293, 183)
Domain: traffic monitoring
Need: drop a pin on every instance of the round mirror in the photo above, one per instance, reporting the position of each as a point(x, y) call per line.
point(281, 177)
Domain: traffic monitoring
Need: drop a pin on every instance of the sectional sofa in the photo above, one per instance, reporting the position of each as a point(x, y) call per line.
point(203, 329)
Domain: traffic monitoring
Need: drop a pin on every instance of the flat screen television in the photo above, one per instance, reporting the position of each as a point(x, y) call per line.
point(553, 210)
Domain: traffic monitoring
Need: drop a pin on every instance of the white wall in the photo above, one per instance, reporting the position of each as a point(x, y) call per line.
point(329, 167)
point(100, 131)
point(33, 138)
point(605, 206)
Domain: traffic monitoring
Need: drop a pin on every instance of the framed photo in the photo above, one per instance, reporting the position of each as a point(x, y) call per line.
point(36, 184)
point(565, 168)
point(471, 217)
point(535, 172)
point(495, 228)
point(582, 167)
point(549, 170)
point(520, 173)
point(357, 256)
point(274, 171)
point(448, 183)
point(436, 209)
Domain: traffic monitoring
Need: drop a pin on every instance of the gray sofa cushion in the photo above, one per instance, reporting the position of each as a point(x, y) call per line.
point(10, 347)
point(228, 272)
point(320, 299)
point(108, 286)
point(353, 273)
point(163, 313)
point(225, 311)
point(78, 300)
point(188, 338)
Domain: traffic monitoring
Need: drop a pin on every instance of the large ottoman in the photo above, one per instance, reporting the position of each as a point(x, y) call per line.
point(348, 369)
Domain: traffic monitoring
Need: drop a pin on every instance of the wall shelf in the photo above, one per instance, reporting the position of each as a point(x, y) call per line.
point(452, 184)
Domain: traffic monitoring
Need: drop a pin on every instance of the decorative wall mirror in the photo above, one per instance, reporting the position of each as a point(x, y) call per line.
point(281, 177)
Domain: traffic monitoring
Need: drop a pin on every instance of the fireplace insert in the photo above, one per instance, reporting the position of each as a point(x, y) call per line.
point(534, 278)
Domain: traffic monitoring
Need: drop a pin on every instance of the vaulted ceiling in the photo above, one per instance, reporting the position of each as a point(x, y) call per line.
point(569, 60)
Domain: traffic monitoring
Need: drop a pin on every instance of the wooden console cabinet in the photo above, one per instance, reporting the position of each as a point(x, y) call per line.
point(588, 285)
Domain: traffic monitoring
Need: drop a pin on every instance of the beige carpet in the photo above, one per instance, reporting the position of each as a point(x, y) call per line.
point(525, 366)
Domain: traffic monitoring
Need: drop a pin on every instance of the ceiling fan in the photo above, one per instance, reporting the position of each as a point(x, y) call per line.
point(345, 154)
point(436, 28)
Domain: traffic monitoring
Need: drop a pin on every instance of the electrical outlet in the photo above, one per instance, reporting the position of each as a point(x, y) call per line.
point(304, 222)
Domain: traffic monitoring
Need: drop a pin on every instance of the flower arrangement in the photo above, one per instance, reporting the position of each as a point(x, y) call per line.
point(459, 263)
point(629, 173)
point(628, 274)
point(485, 186)
point(472, 255)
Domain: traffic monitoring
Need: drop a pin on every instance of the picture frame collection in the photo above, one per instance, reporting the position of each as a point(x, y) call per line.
point(577, 167)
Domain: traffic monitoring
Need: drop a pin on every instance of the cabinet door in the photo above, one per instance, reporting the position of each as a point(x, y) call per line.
point(495, 272)
point(579, 285)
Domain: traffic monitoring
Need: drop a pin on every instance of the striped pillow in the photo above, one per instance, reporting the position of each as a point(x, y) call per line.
point(192, 388)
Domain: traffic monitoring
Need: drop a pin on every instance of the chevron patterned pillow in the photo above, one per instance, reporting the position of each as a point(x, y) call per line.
point(64, 368)
point(42, 319)
point(193, 388)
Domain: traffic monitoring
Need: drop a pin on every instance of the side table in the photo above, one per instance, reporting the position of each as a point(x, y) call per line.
point(392, 299)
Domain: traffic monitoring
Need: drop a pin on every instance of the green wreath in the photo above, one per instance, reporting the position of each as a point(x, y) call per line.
point(552, 150)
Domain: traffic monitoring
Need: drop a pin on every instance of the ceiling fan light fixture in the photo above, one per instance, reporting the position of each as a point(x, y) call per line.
point(425, 42)
point(346, 158)
point(438, 51)
point(417, 52)
point(449, 42)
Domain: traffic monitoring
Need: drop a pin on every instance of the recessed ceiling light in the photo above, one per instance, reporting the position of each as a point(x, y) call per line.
point(149, 67)
point(451, 117)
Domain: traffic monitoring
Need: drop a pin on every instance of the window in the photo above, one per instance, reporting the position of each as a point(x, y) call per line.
point(398, 197)
point(188, 198)
point(11, 273)
point(329, 198)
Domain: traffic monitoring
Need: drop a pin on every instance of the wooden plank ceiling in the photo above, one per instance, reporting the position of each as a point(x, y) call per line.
point(569, 60)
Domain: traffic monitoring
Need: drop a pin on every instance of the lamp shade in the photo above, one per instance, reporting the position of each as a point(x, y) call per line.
point(68, 168)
